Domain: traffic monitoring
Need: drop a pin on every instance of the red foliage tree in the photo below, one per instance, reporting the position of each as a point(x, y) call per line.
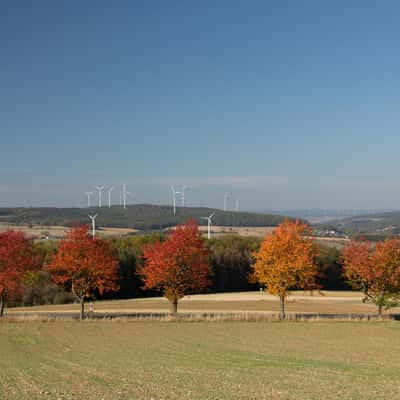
point(83, 265)
point(179, 265)
point(17, 257)
point(375, 270)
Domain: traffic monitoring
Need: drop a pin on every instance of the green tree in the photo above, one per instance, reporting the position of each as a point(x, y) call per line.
point(231, 258)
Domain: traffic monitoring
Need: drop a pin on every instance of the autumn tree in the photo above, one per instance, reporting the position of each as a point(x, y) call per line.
point(286, 260)
point(17, 257)
point(177, 266)
point(84, 265)
point(375, 271)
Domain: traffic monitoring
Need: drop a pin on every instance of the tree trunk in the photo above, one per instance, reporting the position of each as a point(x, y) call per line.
point(1, 305)
point(82, 313)
point(174, 306)
point(380, 310)
point(81, 298)
point(282, 314)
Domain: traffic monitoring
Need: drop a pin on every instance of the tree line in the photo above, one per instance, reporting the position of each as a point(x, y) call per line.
point(80, 267)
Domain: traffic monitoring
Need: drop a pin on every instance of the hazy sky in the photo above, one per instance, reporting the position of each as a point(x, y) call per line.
point(285, 104)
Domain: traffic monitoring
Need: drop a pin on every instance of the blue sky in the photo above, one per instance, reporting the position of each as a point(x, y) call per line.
point(284, 104)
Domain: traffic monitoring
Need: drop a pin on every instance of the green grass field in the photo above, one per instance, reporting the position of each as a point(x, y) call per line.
point(206, 360)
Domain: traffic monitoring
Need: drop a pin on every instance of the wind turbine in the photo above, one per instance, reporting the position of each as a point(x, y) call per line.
point(99, 189)
point(174, 193)
point(93, 217)
point(226, 197)
point(88, 194)
point(209, 222)
point(237, 204)
point(124, 194)
point(183, 195)
point(109, 196)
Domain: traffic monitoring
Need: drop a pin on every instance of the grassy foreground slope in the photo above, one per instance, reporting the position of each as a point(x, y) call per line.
point(170, 360)
point(139, 216)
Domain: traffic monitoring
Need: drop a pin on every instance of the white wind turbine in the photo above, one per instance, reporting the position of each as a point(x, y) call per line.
point(237, 204)
point(93, 217)
point(209, 222)
point(109, 196)
point(226, 197)
point(174, 193)
point(124, 194)
point(88, 194)
point(99, 189)
point(182, 193)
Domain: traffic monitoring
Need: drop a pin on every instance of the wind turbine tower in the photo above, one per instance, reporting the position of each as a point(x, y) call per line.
point(226, 197)
point(183, 196)
point(237, 204)
point(88, 194)
point(93, 217)
point(124, 194)
point(209, 223)
point(99, 189)
point(174, 193)
point(109, 196)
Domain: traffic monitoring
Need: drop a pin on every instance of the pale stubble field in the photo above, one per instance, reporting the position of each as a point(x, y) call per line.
point(199, 360)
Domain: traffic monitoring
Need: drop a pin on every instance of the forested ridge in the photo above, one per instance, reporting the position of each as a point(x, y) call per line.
point(138, 216)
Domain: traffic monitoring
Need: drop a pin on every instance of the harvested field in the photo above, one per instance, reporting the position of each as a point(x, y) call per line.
point(299, 302)
point(36, 230)
point(339, 243)
point(42, 231)
point(57, 232)
point(172, 360)
point(260, 231)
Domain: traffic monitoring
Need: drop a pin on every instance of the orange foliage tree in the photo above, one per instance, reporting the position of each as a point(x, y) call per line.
point(286, 260)
point(179, 265)
point(17, 257)
point(84, 265)
point(375, 271)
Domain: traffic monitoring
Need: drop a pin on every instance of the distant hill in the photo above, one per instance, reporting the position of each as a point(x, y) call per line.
point(379, 224)
point(321, 215)
point(140, 216)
